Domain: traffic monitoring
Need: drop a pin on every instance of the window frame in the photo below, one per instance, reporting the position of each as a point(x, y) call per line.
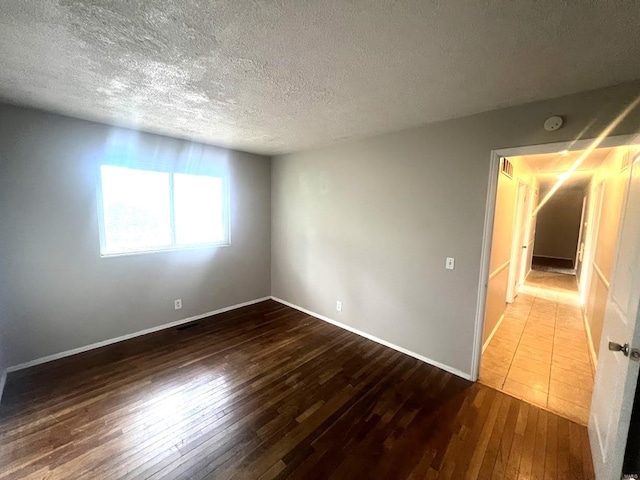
point(226, 210)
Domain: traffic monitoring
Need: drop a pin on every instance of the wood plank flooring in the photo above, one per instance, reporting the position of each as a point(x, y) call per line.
point(269, 392)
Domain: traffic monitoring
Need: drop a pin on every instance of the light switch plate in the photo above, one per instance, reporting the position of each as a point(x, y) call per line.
point(450, 264)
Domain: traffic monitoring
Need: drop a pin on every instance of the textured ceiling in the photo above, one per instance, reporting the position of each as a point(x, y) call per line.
point(278, 76)
point(558, 163)
point(578, 180)
point(547, 167)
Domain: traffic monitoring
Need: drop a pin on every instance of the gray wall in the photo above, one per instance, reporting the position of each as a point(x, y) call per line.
point(558, 224)
point(370, 222)
point(58, 292)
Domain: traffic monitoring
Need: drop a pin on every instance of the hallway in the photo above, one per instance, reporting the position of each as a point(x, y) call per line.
point(539, 352)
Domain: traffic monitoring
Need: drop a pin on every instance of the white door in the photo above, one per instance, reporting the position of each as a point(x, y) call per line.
point(617, 374)
point(581, 238)
point(526, 239)
point(516, 243)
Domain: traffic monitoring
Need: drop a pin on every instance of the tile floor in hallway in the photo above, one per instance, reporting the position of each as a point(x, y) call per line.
point(539, 352)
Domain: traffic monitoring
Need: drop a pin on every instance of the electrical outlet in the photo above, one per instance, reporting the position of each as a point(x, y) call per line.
point(450, 263)
point(339, 306)
point(177, 303)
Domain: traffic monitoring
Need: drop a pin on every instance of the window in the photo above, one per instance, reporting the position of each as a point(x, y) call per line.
point(146, 210)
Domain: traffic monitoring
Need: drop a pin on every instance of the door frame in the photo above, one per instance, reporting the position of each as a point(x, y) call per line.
point(490, 207)
point(581, 240)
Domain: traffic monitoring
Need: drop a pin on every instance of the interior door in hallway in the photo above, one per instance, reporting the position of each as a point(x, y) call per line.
point(518, 241)
point(582, 237)
point(526, 250)
point(617, 371)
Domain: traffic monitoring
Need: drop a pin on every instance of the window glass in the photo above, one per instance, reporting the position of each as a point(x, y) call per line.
point(137, 209)
point(147, 210)
point(199, 212)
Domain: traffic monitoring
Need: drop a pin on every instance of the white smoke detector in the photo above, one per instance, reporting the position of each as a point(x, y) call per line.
point(553, 123)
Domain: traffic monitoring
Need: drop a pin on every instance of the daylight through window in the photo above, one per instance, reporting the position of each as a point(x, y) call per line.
point(148, 210)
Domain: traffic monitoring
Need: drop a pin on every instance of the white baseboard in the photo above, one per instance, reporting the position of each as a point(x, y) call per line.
point(592, 350)
point(493, 332)
point(3, 379)
point(527, 275)
point(553, 258)
point(93, 346)
point(429, 361)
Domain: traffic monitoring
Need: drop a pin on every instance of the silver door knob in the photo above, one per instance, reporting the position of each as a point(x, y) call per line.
point(616, 347)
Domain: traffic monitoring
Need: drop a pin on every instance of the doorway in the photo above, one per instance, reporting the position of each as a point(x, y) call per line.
point(607, 282)
point(543, 314)
point(559, 222)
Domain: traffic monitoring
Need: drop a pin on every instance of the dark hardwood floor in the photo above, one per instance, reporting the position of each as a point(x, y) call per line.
point(269, 392)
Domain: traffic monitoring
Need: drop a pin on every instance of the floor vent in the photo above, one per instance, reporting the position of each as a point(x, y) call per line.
point(188, 326)
point(506, 167)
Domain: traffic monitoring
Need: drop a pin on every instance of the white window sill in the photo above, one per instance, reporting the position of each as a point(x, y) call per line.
point(181, 248)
